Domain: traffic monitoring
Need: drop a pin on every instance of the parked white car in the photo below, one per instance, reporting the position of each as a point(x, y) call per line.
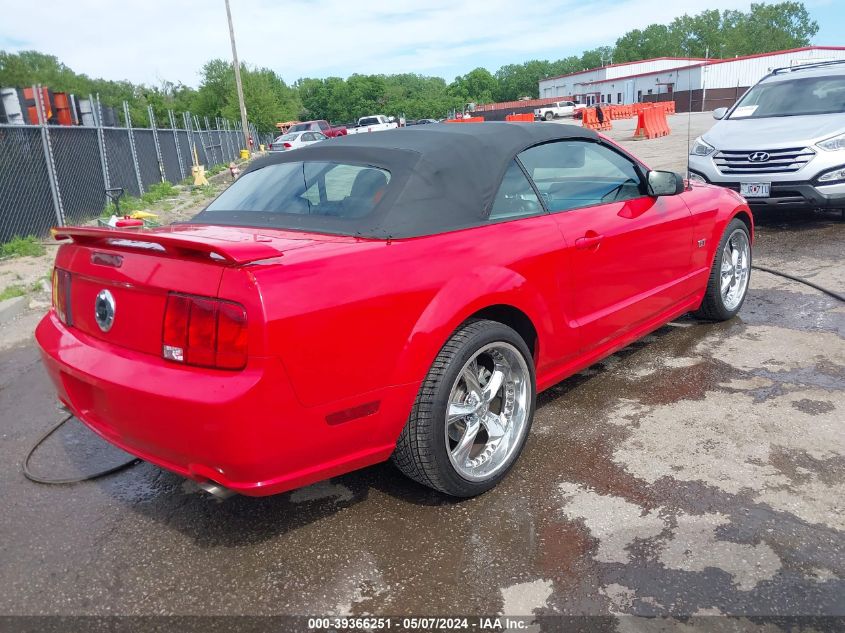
point(558, 109)
point(373, 123)
point(295, 140)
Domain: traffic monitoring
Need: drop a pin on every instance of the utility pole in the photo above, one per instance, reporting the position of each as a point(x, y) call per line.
point(237, 66)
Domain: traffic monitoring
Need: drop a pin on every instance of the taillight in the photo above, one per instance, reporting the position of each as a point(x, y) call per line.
point(204, 332)
point(61, 294)
point(287, 145)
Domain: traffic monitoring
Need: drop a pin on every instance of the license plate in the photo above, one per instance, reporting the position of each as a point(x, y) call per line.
point(755, 189)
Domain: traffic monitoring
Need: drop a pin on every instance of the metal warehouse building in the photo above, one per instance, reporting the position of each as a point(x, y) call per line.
point(704, 83)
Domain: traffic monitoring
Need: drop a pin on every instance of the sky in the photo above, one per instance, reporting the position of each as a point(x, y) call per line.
point(154, 40)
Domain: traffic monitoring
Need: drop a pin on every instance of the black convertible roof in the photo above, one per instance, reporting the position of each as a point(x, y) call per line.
point(443, 177)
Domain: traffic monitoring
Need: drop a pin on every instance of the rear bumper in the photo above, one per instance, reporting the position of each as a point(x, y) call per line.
point(791, 195)
point(243, 430)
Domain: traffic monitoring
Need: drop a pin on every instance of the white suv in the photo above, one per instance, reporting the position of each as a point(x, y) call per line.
point(783, 143)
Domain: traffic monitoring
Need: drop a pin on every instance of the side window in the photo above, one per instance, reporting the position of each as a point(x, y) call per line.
point(516, 197)
point(572, 174)
point(308, 136)
point(323, 125)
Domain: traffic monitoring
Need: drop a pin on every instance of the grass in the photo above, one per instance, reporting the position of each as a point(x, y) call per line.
point(215, 169)
point(12, 291)
point(154, 194)
point(22, 247)
point(40, 285)
point(205, 191)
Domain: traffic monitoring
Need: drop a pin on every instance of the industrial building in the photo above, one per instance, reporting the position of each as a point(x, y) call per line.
point(703, 84)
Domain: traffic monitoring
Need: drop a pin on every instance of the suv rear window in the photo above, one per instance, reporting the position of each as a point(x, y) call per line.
point(276, 192)
point(793, 97)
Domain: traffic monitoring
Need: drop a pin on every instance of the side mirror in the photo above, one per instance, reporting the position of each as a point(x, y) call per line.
point(665, 183)
point(719, 113)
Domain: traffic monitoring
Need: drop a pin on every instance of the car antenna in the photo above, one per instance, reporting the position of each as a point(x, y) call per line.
point(689, 106)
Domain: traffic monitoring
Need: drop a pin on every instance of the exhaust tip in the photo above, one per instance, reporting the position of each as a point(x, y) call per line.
point(216, 490)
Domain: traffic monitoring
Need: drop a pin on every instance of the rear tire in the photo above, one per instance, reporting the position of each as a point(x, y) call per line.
point(549, 116)
point(486, 371)
point(730, 275)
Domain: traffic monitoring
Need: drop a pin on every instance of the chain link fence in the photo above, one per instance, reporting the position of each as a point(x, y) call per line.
point(55, 175)
point(26, 201)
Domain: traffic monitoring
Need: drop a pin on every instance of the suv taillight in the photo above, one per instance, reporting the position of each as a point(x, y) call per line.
point(204, 332)
point(61, 294)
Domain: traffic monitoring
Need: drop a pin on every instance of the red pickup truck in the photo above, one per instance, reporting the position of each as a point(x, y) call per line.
point(320, 125)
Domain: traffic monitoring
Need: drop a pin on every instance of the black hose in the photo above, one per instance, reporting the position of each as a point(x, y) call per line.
point(772, 271)
point(73, 480)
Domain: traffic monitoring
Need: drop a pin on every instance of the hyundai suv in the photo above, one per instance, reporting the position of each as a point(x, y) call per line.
point(783, 143)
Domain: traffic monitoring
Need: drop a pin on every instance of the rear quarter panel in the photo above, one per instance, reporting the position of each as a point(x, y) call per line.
point(351, 318)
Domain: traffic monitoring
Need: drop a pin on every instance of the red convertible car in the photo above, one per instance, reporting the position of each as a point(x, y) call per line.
point(403, 294)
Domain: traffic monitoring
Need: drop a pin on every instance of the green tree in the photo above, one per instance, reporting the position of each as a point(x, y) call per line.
point(597, 57)
point(768, 27)
point(477, 86)
point(652, 41)
point(267, 97)
point(521, 80)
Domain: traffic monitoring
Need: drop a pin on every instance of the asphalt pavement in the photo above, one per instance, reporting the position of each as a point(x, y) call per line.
point(697, 472)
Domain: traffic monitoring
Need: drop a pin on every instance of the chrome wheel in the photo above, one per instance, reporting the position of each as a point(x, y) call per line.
point(487, 411)
point(736, 268)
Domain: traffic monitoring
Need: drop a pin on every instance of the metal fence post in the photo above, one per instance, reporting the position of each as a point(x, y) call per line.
point(229, 138)
point(97, 111)
point(211, 142)
point(176, 140)
point(154, 127)
point(47, 146)
point(128, 121)
point(192, 145)
point(202, 140)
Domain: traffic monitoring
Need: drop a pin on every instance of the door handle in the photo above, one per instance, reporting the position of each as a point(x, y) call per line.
point(590, 240)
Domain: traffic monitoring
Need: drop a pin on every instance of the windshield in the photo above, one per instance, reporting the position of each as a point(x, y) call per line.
point(286, 137)
point(793, 97)
point(301, 127)
point(369, 120)
point(273, 195)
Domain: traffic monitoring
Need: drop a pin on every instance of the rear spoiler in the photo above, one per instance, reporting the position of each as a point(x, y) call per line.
point(173, 243)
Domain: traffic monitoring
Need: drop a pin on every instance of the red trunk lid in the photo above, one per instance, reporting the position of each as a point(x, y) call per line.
point(140, 268)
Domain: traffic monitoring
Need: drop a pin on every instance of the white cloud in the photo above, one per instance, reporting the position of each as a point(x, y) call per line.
point(151, 39)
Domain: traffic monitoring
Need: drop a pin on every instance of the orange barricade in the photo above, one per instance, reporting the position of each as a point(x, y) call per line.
point(590, 119)
point(621, 112)
point(527, 117)
point(475, 119)
point(651, 123)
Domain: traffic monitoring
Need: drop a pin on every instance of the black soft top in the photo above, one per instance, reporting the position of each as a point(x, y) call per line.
point(443, 177)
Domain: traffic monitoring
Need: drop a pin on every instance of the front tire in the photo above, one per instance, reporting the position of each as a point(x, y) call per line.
point(730, 275)
point(473, 412)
